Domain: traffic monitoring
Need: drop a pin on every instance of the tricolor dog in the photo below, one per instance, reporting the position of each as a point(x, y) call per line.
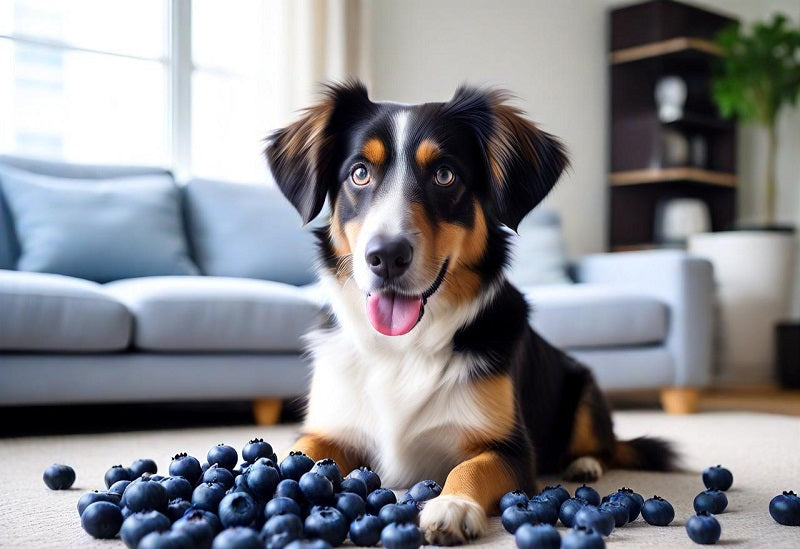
point(428, 368)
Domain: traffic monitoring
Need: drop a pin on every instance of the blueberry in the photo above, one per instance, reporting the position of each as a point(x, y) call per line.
point(142, 466)
point(278, 505)
point(198, 527)
point(223, 455)
point(177, 487)
point(598, 519)
point(208, 495)
point(241, 468)
point(328, 524)
point(102, 519)
point(118, 488)
point(355, 486)
point(238, 537)
point(177, 508)
point(146, 494)
point(545, 507)
point(537, 536)
point(395, 512)
point(378, 498)
point(569, 508)
point(238, 509)
point(401, 535)
point(785, 509)
point(588, 493)
point(240, 485)
point(115, 473)
point(280, 530)
point(424, 490)
point(350, 505)
point(703, 528)
point(657, 511)
point(366, 530)
point(712, 501)
point(630, 499)
point(512, 498)
point(138, 525)
point(309, 544)
point(316, 488)
point(295, 465)
point(516, 515)
point(581, 537)
point(370, 477)
point(90, 497)
point(619, 511)
point(255, 449)
point(186, 466)
point(328, 469)
point(262, 479)
point(717, 478)
point(218, 474)
point(557, 491)
point(289, 488)
point(210, 517)
point(166, 540)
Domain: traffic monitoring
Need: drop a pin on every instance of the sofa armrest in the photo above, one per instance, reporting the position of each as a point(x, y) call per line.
point(684, 283)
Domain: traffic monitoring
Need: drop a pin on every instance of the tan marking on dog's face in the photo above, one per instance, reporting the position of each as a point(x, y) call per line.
point(495, 396)
point(483, 479)
point(427, 151)
point(374, 151)
point(344, 236)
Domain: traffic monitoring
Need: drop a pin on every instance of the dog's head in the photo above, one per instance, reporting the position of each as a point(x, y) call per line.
point(416, 192)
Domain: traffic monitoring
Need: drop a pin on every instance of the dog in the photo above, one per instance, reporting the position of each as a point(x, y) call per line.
point(427, 367)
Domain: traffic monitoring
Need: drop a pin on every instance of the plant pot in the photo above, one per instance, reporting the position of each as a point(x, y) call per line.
point(753, 270)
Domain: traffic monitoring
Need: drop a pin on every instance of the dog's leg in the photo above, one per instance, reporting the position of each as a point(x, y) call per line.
point(592, 442)
point(319, 447)
point(472, 490)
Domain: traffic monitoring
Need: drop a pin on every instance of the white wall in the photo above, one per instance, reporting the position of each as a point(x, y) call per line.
point(553, 55)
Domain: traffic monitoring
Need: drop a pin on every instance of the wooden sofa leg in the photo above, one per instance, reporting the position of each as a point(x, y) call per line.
point(680, 400)
point(267, 411)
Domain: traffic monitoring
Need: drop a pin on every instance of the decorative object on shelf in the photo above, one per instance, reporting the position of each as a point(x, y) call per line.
point(765, 58)
point(670, 93)
point(674, 149)
point(699, 154)
point(679, 218)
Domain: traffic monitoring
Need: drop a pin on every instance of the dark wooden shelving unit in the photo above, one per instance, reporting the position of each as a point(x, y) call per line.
point(648, 41)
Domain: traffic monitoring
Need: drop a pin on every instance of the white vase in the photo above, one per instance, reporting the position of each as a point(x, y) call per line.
point(753, 271)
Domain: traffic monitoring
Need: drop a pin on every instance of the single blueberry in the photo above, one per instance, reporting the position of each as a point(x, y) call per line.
point(545, 507)
point(118, 488)
point(598, 519)
point(280, 530)
point(208, 516)
point(316, 488)
point(619, 511)
point(378, 498)
point(588, 493)
point(289, 488)
point(177, 487)
point(262, 480)
point(90, 497)
point(295, 465)
point(328, 469)
point(223, 455)
point(142, 466)
point(256, 448)
point(537, 536)
point(166, 540)
point(713, 501)
point(102, 519)
point(717, 478)
point(512, 498)
point(355, 486)
point(630, 499)
point(657, 511)
point(145, 494)
point(516, 515)
point(138, 525)
point(177, 508)
point(280, 504)
point(703, 528)
point(218, 474)
point(115, 473)
point(582, 537)
point(328, 524)
point(186, 466)
point(208, 495)
point(350, 505)
point(238, 537)
point(198, 527)
point(238, 509)
point(401, 535)
point(424, 490)
point(559, 492)
point(785, 508)
point(370, 477)
point(569, 508)
point(366, 530)
point(396, 512)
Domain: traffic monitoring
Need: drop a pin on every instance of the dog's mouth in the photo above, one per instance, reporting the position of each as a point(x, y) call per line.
point(393, 314)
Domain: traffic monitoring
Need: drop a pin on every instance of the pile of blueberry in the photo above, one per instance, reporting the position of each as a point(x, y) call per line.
point(297, 504)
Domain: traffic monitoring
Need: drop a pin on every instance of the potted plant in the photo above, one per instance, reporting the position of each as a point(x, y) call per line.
point(758, 74)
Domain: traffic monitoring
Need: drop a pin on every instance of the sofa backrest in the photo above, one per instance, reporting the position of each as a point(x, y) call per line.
point(9, 246)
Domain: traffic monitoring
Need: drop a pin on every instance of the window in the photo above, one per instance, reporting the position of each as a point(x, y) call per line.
point(187, 85)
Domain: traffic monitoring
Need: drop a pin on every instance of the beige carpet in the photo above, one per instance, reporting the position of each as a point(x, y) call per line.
point(763, 451)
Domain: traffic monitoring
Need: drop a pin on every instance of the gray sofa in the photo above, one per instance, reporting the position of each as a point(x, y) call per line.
point(222, 315)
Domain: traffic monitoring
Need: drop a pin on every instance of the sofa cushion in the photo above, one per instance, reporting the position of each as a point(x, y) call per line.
point(215, 313)
point(594, 315)
point(538, 251)
point(47, 312)
point(99, 230)
point(248, 230)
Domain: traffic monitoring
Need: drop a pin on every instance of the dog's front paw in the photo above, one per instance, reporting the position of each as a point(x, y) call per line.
point(584, 469)
point(452, 520)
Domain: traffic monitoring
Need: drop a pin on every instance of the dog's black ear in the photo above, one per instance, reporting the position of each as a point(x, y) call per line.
point(300, 155)
point(523, 162)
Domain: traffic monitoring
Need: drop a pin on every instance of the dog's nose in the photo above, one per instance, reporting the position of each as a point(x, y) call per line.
point(389, 257)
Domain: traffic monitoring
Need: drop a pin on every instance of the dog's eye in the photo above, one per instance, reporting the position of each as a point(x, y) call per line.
point(445, 177)
point(360, 174)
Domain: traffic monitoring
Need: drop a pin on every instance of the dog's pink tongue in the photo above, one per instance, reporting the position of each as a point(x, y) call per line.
point(392, 314)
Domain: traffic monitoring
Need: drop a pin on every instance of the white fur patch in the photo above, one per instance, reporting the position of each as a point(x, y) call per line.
point(584, 468)
point(451, 520)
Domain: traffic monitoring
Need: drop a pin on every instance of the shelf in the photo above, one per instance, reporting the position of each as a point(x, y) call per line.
point(700, 121)
point(666, 47)
point(663, 175)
